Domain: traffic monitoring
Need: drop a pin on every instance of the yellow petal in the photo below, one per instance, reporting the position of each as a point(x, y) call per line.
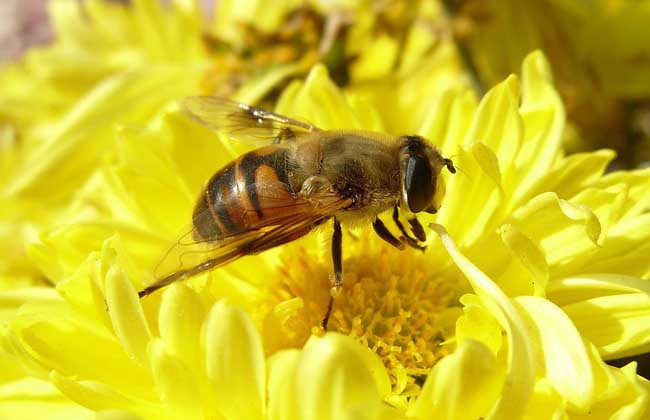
point(564, 355)
point(259, 86)
point(97, 396)
point(11, 300)
point(82, 136)
point(461, 112)
point(519, 379)
point(235, 362)
point(569, 290)
point(36, 399)
point(375, 61)
point(618, 325)
point(622, 394)
point(53, 340)
point(473, 188)
point(477, 324)
point(463, 385)
point(319, 101)
point(527, 255)
point(562, 229)
point(281, 366)
point(332, 376)
point(497, 123)
point(180, 319)
point(573, 173)
point(543, 118)
point(115, 415)
point(175, 382)
point(638, 182)
point(126, 314)
point(546, 403)
point(606, 204)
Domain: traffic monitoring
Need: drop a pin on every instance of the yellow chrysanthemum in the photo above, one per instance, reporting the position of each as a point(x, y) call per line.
point(598, 51)
point(111, 63)
point(512, 318)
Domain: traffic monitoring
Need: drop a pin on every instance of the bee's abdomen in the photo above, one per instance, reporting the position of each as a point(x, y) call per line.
point(243, 195)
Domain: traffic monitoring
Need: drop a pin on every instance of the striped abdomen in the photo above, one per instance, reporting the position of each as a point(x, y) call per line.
point(246, 194)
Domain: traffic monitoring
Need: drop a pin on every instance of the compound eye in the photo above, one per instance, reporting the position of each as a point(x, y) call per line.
point(418, 182)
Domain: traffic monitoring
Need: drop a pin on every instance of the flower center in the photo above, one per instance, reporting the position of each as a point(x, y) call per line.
point(396, 303)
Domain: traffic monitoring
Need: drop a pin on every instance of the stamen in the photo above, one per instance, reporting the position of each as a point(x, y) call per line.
point(396, 303)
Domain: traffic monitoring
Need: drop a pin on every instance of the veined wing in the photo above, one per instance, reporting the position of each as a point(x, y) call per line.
point(191, 256)
point(243, 122)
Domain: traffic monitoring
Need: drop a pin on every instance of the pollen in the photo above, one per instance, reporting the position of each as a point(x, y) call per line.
point(397, 303)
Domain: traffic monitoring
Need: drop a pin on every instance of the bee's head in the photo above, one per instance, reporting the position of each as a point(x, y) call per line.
point(420, 166)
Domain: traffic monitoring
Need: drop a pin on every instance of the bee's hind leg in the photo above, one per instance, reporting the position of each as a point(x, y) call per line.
point(337, 261)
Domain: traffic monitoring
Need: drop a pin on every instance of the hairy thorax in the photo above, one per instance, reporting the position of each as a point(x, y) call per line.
point(357, 165)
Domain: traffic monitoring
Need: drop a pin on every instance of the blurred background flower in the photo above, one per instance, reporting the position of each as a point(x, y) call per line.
point(599, 51)
point(541, 277)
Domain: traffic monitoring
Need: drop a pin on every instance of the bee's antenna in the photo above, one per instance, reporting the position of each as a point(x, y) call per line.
point(459, 169)
point(450, 165)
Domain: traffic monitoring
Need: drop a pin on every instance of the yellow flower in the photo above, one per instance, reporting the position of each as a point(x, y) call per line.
point(545, 278)
point(111, 63)
point(602, 78)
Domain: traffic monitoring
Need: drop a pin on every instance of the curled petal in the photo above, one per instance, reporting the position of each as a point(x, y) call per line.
point(564, 354)
point(519, 380)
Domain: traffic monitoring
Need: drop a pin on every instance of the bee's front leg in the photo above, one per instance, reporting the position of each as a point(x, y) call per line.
point(384, 233)
point(417, 229)
point(337, 261)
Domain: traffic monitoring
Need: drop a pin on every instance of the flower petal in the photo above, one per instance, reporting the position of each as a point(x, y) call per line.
point(36, 399)
point(235, 362)
point(543, 117)
point(319, 101)
point(497, 122)
point(529, 262)
point(546, 403)
point(115, 415)
point(11, 300)
point(478, 324)
point(180, 318)
point(569, 290)
point(332, 376)
point(564, 354)
point(572, 174)
point(619, 325)
point(97, 396)
point(126, 314)
point(461, 386)
point(519, 379)
point(562, 229)
point(175, 382)
point(281, 366)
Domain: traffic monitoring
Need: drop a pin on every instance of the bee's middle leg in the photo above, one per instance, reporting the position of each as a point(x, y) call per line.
point(337, 261)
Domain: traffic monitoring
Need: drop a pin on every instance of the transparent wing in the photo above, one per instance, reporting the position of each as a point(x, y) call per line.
point(243, 122)
point(291, 220)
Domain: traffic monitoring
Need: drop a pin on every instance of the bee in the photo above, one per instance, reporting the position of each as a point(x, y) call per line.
point(300, 178)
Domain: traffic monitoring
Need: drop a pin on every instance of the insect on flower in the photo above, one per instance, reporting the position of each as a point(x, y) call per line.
point(299, 179)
